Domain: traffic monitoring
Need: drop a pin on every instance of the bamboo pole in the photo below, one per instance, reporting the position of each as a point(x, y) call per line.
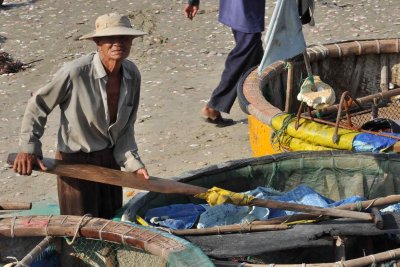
point(236, 228)
point(384, 83)
point(93, 228)
point(15, 205)
point(309, 70)
point(289, 87)
point(362, 100)
point(358, 262)
point(311, 209)
point(291, 218)
point(377, 202)
point(34, 253)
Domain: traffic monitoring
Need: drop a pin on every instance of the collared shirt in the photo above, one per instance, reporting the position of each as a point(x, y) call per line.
point(243, 15)
point(79, 89)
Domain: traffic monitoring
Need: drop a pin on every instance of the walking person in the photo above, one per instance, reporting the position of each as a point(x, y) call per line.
point(246, 20)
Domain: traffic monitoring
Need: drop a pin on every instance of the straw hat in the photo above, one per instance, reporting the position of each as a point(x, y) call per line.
point(113, 24)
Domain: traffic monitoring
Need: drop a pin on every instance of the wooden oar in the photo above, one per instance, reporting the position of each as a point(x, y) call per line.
point(166, 186)
point(114, 177)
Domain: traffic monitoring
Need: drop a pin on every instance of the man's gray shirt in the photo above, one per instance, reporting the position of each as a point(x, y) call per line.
point(79, 89)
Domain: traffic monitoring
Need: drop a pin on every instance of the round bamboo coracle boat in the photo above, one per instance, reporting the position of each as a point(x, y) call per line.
point(365, 76)
point(333, 174)
point(86, 241)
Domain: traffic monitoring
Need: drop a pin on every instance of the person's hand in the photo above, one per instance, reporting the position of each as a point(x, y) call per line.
point(191, 11)
point(142, 173)
point(24, 162)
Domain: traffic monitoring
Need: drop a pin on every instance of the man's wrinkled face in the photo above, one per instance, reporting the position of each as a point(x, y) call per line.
point(115, 47)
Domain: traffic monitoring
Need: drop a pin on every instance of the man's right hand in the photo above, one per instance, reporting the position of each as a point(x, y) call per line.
point(24, 162)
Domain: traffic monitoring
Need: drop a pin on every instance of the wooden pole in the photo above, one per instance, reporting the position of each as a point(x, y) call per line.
point(34, 253)
point(309, 70)
point(358, 262)
point(312, 209)
point(384, 84)
point(235, 228)
point(15, 205)
point(289, 87)
point(377, 202)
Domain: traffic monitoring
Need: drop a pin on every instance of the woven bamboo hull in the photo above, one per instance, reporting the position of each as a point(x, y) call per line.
point(362, 68)
point(334, 174)
point(96, 239)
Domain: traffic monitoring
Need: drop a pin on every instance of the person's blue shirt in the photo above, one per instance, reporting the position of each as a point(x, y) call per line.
point(243, 15)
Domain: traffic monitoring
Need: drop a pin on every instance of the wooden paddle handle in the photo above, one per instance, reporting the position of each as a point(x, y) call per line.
point(115, 177)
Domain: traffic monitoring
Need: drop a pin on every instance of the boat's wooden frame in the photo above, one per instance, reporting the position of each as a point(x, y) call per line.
point(148, 240)
point(257, 106)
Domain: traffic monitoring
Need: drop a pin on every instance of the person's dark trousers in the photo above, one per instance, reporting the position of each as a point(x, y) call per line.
point(79, 197)
point(246, 54)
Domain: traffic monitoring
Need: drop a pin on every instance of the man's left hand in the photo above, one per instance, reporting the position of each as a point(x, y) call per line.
point(142, 173)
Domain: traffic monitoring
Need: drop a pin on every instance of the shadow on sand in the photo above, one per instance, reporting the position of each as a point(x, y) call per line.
point(8, 6)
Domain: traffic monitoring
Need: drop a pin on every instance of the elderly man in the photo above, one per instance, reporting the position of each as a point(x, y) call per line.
point(98, 95)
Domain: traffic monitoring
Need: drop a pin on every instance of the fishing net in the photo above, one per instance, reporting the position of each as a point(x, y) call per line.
point(102, 253)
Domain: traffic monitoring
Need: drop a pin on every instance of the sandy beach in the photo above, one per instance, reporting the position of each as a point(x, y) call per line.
point(180, 61)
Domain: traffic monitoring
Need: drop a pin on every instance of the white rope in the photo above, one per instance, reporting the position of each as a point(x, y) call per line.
point(124, 235)
point(392, 254)
point(359, 47)
point(12, 226)
point(65, 218)
point(323, 50)
point(151, 237)
point(47, 225)
point(339, 50)
point(372, 203)
point(101, 230)
point(218, 230)
point(165, 229)
point(378, 47)
point(372, 258)
point(78, 227)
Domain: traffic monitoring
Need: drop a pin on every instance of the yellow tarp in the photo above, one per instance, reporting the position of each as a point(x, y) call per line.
point(217, 196)
point(314, 133)
point(295, 144)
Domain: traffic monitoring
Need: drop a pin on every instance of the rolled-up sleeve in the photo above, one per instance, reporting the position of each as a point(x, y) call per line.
point(125, 149)
point(38, 108)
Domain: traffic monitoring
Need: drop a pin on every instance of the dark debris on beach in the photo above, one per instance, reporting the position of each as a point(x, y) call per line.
point(8, 64)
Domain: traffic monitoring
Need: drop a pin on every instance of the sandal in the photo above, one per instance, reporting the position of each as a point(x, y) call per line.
point(220, 122)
